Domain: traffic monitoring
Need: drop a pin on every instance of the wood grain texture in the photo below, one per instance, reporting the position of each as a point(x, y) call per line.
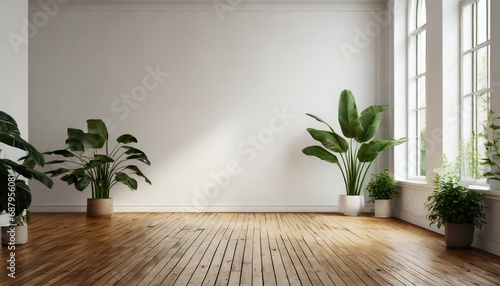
point(240, 249)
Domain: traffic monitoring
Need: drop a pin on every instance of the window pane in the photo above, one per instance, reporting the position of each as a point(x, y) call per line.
point(467, 27)
point(482, 68)
point(421, 141)
point(421, 92)
point(467, 117)
point(467, 73)
point(482, 20)
point(482, 107)
point(412, 17)
point(421, 38)
point(421, 14)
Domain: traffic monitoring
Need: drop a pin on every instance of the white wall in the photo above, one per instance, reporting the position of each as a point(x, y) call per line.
point(229, 76)
point(13, 71)
point(14, 67)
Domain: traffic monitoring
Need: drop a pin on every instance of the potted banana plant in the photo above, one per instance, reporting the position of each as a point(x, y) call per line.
point(355, 153)
point(89, 160)
point(15, 195)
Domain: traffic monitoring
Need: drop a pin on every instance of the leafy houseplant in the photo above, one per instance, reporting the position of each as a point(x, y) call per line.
point(382, 186)
point(89, 160)
point(355, 152)
point(454, 206)
point(15, 196)
point(381, 189)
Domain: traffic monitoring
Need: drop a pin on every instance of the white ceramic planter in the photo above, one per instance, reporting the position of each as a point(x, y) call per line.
point(14, 235)
point(383, 208)
point(353, 205)
point(342, 203)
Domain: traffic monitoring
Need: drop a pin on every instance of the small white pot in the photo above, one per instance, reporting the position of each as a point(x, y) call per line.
point(14, 235)
point(353, 205)
point(383, 208)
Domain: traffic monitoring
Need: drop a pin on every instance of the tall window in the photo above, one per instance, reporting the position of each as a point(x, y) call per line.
point(417, 88)
point(475, 82)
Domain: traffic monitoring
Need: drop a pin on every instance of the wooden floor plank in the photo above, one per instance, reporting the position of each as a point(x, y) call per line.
point(240, 249)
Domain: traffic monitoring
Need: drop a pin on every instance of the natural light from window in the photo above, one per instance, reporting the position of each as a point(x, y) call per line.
point(417, 88)
point(475, 84)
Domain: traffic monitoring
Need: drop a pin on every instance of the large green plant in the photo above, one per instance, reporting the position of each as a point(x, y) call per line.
point(90, 161)
point(451, 202)
point(382, 186)
point(15, 196)
point(356, 152)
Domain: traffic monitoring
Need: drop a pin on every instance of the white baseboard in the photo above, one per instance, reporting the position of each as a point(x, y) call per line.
point(417, 220)
point(486, 243)
point(193, 208)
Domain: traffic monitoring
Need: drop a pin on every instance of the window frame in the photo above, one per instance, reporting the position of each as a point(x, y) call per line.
point(467, 179)
point(415, 108)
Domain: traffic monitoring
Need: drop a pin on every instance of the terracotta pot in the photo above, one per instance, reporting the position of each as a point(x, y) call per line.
point(353, 205)
point(99, 207)
point(383, 208)
point(458, 235)
point(14, 235)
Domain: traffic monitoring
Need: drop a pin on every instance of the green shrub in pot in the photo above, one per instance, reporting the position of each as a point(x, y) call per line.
point(382, 186)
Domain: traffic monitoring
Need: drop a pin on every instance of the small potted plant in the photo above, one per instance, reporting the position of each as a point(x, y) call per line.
point(355, 153)
point(381, 189)
point(15, 195)
point(455, 207)
point(89, 160)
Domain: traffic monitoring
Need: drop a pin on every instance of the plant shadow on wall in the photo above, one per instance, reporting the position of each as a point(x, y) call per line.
point(89, 160)
point(356, 152)
point(455, 207)
point(15, 195)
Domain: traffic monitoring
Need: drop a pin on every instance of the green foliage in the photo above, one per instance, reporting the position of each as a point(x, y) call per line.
point(16, 199)
point(93, 163)
point(382, 186)
point(355, 151)
point(493, 149)
point(451, 202)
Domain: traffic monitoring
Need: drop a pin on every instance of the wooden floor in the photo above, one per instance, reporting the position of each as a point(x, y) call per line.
point(240, 249)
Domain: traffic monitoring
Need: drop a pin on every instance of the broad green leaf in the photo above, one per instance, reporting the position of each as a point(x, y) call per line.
point(57, 172)
point(136, 154)
point(330, 140)
point(16, 141)
point(138, 172)
point(321, 153)
point(125, 179)
point(8, 124)
point(369, 151)
point(93, 141)
point(126, 139)
point(370, 120)
point(141, 158)
point(103, 158)
point(98, 127)
point(63, 152)
point(348, 115)
point(83, 182)
point(320, 120)
point(75, 140)
point(29, 173)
